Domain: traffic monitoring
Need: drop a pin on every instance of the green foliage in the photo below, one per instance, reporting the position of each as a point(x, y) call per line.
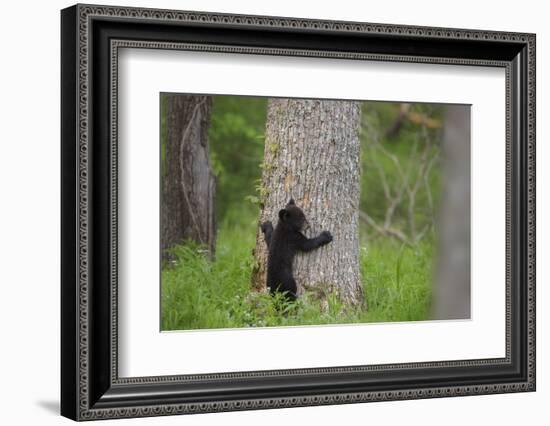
point(236, 140)
point(198, 293)
point(253, 199)
point(398, 159)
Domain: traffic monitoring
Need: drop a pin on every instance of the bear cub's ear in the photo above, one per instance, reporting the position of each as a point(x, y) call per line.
point(291, 202)
point(283, 214)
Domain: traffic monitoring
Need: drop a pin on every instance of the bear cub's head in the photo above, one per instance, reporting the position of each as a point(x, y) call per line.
point(293, 217)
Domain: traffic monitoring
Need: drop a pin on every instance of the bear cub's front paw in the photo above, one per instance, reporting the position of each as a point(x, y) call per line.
point(326, 237)
point(265, 226)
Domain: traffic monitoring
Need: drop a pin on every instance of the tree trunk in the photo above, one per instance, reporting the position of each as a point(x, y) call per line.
point(312, 155)
point(188, 185)
point(452, 289)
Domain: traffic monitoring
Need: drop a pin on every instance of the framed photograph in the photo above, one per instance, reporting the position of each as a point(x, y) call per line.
point(263, 212)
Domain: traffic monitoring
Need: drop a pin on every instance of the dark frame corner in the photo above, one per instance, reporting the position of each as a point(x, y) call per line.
point(90, 37)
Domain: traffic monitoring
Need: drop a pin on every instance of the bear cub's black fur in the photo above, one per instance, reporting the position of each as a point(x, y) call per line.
point(282, 244)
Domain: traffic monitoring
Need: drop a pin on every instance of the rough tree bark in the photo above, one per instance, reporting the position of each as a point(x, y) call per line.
point(188, 185)
point(452, 289)
point(312, 155)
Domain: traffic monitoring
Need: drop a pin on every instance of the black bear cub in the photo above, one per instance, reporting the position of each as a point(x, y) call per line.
point(282, 244)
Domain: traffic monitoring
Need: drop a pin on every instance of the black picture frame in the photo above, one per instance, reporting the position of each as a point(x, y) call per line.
point(90, 386)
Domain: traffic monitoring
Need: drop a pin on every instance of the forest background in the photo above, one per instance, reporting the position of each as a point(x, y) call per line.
point(400, 179)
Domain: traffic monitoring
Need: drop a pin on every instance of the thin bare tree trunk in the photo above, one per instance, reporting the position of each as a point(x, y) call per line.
point(188, 185)
point(312, 154)
point(452, 290)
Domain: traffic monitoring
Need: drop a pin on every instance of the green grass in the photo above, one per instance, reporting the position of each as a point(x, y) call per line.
point(201, 294)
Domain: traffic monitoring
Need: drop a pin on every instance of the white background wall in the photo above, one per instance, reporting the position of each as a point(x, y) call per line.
point(29, 211)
